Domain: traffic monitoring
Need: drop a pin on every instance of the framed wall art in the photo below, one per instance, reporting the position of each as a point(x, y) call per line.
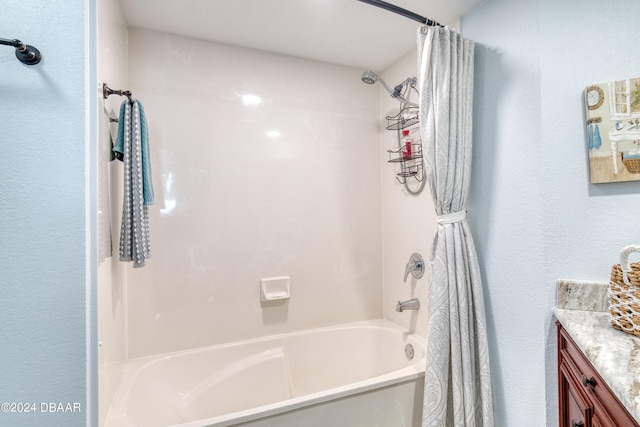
point(613, 130)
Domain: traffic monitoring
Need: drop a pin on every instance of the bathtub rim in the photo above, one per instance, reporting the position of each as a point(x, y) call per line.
point(409, 373)
point(360, 387)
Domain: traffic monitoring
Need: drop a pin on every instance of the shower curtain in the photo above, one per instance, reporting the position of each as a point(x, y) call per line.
point(457, 377)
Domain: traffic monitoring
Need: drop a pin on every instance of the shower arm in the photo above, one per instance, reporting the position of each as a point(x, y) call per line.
point(396, 92)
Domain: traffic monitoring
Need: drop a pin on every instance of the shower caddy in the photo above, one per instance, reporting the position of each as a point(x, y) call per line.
point(409, 153)
point(409, 158)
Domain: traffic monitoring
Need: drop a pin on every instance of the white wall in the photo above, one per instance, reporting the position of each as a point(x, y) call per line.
point(235, 206)
point(408, 220)
point(112, 69)
point(506, 203)
point(45, 285)
point(538, 218)
point(585, 225)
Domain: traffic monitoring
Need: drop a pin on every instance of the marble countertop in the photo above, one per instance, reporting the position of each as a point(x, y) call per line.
point(614, 354)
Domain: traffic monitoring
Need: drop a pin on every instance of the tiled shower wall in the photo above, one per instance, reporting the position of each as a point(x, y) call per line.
point(288, 186)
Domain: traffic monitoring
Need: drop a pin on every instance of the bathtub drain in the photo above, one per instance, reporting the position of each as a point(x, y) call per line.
point(408, 351)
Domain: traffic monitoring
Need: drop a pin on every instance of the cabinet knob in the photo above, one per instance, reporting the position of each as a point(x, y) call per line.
point(576, 424)
point(588, 382)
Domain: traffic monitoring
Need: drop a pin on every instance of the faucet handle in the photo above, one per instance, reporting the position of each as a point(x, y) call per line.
point(415, 266)
point(408, 269)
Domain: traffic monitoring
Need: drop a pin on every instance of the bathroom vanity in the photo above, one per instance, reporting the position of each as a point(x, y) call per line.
point(584, 397)
point(598, 366)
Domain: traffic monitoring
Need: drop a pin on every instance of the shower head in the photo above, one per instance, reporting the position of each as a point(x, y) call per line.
point(369, 77)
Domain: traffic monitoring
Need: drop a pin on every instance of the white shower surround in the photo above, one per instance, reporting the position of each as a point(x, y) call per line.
point(235, 205)
point(342, 119)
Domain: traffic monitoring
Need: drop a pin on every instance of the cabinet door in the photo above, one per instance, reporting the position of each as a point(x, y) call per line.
point(604, 421)
point(575, 409)
point(610, 412)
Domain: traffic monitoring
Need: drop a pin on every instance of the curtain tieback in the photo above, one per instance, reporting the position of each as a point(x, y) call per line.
point(452, 217)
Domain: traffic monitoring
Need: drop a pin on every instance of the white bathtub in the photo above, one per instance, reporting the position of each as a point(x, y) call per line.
point(349, 375)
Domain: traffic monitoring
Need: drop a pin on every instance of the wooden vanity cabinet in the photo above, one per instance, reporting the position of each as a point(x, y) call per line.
point(584, 398)
point(576, 405)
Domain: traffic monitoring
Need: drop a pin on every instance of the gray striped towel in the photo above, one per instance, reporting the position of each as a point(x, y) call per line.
point(138, 190)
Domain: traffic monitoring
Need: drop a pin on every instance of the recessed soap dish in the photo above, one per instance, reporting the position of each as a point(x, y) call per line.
point(275, 288)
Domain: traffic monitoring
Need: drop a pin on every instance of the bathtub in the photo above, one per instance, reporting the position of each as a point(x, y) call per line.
point(355, 374)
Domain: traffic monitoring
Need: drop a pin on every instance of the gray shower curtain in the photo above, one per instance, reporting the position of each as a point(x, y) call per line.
point(457, 377)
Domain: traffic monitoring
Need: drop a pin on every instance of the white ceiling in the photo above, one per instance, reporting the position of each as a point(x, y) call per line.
point(346, 32)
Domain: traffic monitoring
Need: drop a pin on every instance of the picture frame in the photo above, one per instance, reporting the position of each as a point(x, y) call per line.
point(613, 130)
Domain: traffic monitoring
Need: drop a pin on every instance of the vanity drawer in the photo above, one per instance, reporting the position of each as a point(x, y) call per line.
point(608, 411)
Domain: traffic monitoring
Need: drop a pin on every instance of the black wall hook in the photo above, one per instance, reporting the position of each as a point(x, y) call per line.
point(25, 53)
point(106, 91)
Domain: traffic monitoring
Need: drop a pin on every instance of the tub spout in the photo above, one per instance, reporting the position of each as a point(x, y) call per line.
point(412, 304)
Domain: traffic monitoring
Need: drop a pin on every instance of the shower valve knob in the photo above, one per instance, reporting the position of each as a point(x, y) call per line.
point(415, 266)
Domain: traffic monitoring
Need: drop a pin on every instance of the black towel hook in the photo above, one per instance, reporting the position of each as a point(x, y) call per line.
point(25, 53)
point(106, 91)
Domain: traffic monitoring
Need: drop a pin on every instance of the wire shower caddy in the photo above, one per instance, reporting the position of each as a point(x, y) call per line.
point(408, 156)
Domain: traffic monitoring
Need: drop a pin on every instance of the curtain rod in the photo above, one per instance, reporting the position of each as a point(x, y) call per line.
point(404, 12)
point(25, 53)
